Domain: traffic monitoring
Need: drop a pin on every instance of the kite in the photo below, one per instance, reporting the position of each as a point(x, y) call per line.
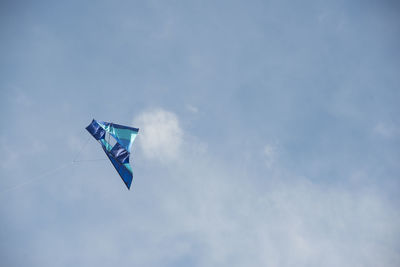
point(116, 141)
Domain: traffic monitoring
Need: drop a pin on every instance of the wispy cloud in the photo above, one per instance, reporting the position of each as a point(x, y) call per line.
point(224, 219)
point(386, 130)
point(270, 154)
point(211, 187)
point(160, 134)
point(192, 108)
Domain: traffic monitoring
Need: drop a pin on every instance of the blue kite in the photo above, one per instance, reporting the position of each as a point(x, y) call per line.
point(116, 141)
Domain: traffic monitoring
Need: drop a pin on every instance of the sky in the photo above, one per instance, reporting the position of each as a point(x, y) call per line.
point(269, 133)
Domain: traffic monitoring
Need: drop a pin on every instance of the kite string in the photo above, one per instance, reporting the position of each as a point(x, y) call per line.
point(88, 160)
point(80, 151)
point(48, 172)
point(37, 178)
point(85, 160)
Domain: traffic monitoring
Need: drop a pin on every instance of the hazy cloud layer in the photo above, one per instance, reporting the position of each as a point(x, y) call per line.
point(289, 221)
point(269, 133)
point(160, 134)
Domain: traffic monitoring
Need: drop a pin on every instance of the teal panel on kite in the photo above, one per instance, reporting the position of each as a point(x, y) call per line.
point(119, 152)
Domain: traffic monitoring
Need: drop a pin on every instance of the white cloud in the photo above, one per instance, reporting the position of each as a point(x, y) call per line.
point(270, 154)
point(204, 210)
point(160, 136)
point(387, 130)
point(13, 155)
point(210, 213)
point(22, 99)
point(192, 108)
point(9, 158)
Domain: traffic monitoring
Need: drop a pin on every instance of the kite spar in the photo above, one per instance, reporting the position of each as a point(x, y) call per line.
point(107, 134)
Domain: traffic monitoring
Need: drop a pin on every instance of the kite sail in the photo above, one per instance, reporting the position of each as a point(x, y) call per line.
point(116, 141)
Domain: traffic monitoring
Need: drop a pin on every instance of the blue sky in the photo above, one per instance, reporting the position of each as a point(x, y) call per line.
point(269, 133)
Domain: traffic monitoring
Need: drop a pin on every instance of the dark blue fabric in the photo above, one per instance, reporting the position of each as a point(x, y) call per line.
point(125, 174)
point(95, 129)
point(120, 153)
